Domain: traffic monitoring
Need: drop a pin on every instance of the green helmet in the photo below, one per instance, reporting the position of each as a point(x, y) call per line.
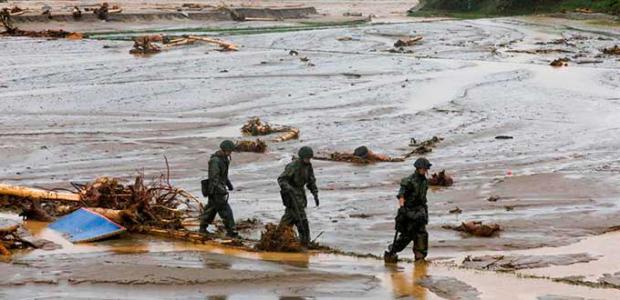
point(227, 145)
point(361, 151)
point(305, 152)
point(422, 163)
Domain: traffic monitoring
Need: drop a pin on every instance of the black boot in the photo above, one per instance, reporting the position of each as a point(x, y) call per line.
point(232, 234)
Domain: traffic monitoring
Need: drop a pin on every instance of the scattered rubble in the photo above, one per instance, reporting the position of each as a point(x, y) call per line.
point(407, 42)
point(519, 262)
point(560, 62)
point(615, 50)
point(258, 146)
point(440, 179)
point(423, 147)
point(279, 239)
point(476, 228)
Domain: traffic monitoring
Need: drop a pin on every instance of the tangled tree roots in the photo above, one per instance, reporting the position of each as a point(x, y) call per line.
point(279, 239)
point(424, 147)
point(440, 179)
point(257, 146)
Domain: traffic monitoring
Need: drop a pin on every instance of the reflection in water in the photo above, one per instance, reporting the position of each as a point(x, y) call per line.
point(404, 281)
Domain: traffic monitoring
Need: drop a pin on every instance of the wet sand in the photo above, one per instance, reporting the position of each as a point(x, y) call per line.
point(75, 110)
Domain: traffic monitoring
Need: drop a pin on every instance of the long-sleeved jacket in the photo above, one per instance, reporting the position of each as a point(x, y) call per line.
point(296, 175)
point(413, 188)
point(218, 174)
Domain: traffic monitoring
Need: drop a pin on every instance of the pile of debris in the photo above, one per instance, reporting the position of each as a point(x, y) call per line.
point(476, 228)
point(343, 157)
point(258, 146)
point(279, 239)
point(423, 147)
point(256, 127)
point(441, 179)
point(138, 206)
point(14, 236)
point(560, 62)
point(11, 30)
point(151, 44)
point(615, 50)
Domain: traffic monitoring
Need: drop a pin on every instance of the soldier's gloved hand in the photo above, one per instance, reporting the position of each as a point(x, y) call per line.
point(316, 199)
point(230, 186)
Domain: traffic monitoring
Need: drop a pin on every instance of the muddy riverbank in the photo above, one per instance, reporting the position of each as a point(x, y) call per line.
point(75, 110)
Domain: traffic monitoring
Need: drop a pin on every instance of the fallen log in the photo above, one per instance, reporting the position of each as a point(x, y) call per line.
point(36, 194)
point(407, 42)
point(292, 134)
point(225, 45)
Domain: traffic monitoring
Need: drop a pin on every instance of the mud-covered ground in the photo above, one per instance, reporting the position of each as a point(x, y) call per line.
point(75, 110)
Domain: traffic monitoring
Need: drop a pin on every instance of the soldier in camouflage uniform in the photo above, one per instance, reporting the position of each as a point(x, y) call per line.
point(412, 215)
point(296, 175)
point(219, 185)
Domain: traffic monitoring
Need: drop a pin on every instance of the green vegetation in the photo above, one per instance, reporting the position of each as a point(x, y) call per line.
point(491, 8)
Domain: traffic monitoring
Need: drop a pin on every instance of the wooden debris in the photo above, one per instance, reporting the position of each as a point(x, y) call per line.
point(424, 147)
point(36, 194)
point(407, 42)
point(226, 46)
point(364, 157)
point(279, 238)
point(257, 146)
point(255, 126)
point(456, 210)
point(440, 179)
point(476, 228)
point(292, 134)
point(11, 30)
point(145, 45)
point(615, 50)
point(583, 10)
point(560, 62)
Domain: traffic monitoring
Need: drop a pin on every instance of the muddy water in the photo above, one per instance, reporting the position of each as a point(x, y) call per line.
point(74, 110)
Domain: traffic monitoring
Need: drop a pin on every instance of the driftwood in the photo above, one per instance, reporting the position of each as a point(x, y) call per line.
point(255, 127)
point(408, 42)
point(369, 158)
point(615, 50)
point(292, 134)
point(227, 46)
point(476, 228)
point(36, 194)
point(424, 147)
point(560, 62)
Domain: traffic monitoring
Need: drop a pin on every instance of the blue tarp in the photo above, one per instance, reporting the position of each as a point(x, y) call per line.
point(84, 225)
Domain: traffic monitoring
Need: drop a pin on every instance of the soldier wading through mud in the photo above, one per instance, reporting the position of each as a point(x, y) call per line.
point(412, 214)
point(296, 175)
point(217, 191)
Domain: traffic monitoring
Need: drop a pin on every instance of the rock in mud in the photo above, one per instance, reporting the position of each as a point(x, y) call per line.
point(441, 179)
point(476, 228)
point(279, 239)
point(449, 288)
point(518, 262)
point(611, 279)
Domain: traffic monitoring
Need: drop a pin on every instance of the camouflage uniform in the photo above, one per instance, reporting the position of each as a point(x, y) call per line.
point(296, 175)
point(413, 216)
point(218, 194)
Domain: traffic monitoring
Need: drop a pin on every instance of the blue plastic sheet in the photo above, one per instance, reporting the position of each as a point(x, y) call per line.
point(84, 225)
